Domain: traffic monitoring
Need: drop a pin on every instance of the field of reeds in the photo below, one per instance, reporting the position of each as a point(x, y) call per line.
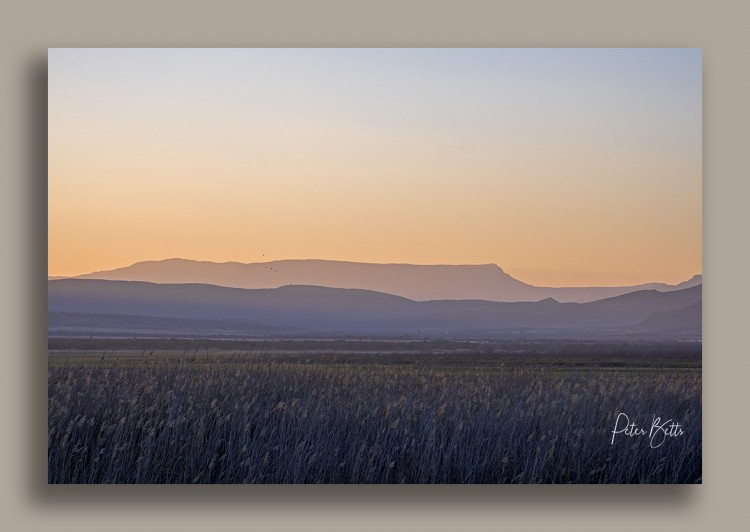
point(161, 417)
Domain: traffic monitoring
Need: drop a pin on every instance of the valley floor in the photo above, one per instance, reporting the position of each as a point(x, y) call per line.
point(386, 412)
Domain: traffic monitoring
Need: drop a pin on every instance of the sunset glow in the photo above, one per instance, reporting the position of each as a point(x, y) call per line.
point(564, 167)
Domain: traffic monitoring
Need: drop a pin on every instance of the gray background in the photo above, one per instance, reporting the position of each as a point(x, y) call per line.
point(28, 28)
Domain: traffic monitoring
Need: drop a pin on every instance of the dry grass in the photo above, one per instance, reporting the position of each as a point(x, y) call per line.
point(254, 421)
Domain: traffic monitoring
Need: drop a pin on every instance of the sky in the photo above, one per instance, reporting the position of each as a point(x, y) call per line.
point(565, 167)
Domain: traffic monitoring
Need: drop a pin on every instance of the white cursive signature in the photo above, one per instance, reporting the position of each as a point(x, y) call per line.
point(660, 430)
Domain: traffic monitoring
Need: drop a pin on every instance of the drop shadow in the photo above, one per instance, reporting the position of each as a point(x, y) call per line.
point(281, 497)
point(35, 255)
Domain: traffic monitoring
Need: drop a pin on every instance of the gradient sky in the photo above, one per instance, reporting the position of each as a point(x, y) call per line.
point(563, 166)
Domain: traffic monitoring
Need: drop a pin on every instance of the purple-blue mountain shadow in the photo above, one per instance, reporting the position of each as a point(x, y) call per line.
point(417, 282)
point(355, 311)
point(688, 318)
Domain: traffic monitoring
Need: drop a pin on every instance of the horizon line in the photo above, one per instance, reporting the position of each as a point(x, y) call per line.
point(492, 264)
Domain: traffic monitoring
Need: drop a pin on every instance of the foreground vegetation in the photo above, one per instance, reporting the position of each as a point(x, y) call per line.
point(356, 418)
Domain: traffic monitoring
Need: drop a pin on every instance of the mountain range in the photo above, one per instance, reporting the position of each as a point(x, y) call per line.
point(416, 282)
point(303, 309)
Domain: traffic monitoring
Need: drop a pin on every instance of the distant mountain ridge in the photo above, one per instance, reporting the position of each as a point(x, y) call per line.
point(356, 311)
point(416, 282)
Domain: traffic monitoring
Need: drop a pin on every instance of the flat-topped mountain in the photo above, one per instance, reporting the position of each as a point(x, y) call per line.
point(416, 282)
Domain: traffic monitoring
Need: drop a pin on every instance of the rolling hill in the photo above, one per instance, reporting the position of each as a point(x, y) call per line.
point(355, 311)
point(416, 282)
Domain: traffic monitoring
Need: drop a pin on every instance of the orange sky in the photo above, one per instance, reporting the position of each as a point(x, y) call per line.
point(564, 167)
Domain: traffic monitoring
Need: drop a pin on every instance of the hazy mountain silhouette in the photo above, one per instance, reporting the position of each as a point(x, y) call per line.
point(355, 311)
point(417, 282)
point(686, 319)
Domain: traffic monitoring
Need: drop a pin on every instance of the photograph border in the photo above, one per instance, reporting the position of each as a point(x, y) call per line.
point(30, 504)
